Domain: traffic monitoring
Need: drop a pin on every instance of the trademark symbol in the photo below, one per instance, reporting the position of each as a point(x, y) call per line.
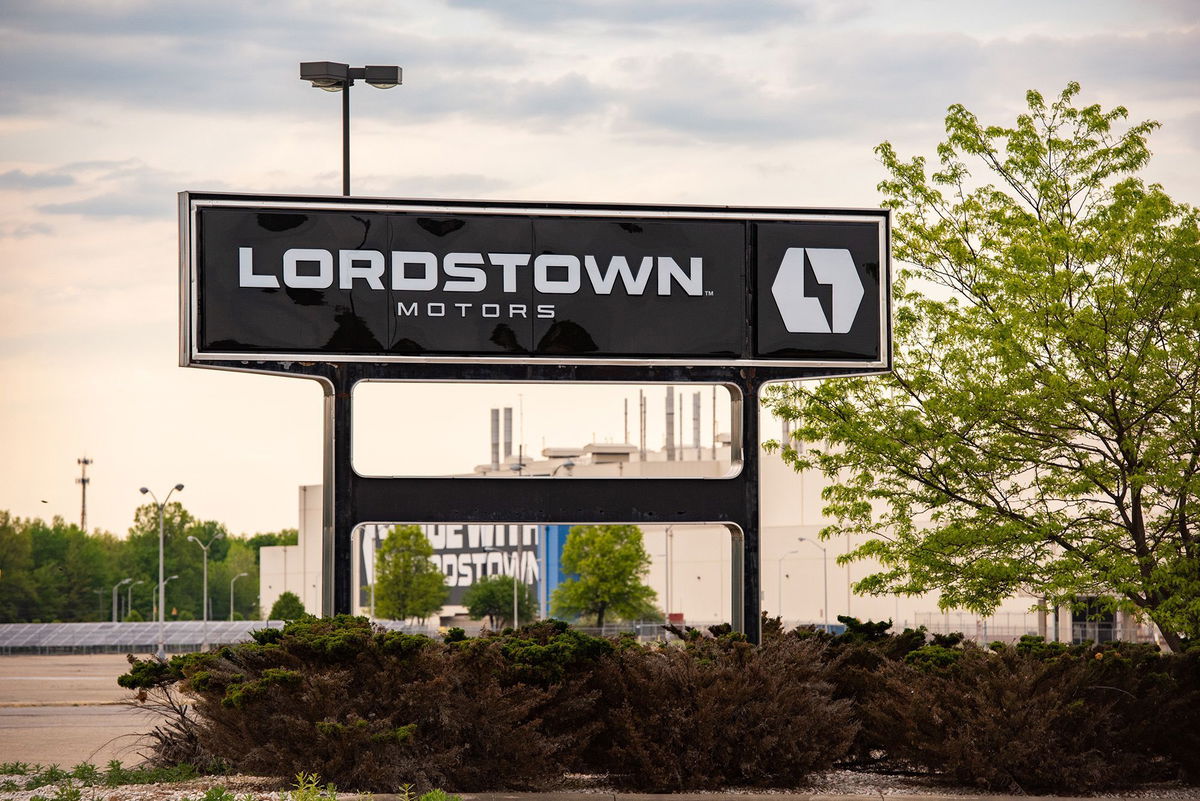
point(708, 293)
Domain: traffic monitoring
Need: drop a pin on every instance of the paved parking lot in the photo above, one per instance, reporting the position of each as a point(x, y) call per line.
point(66, 710)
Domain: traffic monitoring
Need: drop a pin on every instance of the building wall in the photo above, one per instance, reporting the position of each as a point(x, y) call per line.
point(800, 578)
point(295, 568)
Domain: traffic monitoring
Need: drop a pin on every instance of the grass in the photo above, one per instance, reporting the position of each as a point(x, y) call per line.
point(87, 774)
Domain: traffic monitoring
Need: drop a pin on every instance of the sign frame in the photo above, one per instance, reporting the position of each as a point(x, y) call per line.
point(191, 204)
point(349, 498)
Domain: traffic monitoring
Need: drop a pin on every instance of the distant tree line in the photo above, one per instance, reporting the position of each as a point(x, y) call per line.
point(56, 572)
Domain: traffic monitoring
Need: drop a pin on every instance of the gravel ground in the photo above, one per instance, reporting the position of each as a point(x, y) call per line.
point(833, 783)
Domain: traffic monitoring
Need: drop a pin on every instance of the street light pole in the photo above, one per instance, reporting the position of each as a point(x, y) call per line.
point(779, 584)
point(235, 578)
point(119, 584)
point(825, 573)
point(516, 563)
point(333, 76)
point(204, 597)
point(129, 596)
point(162, 593)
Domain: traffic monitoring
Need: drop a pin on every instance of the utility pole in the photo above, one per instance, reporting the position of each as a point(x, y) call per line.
point(82, 481)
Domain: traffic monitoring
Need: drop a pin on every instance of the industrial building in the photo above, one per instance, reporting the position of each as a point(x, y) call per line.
point(801, 580)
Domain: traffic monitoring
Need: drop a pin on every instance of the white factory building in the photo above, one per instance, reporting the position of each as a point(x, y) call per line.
point(690, 571)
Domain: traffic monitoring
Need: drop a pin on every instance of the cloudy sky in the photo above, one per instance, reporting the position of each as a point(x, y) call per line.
point(108, 109)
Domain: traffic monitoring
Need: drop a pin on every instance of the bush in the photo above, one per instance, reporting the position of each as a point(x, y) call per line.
point(717, 713)
point(376, 710)
point(1005, 721)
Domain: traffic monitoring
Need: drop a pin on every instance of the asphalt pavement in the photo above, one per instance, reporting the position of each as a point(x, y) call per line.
point(66, 709)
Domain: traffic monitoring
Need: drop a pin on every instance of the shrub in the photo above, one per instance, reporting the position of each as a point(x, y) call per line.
point(716, 713)
point(373, 709)
point(380, 710)
point(1005, 721)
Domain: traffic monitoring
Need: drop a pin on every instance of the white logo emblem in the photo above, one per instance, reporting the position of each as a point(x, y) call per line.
point(804, 315)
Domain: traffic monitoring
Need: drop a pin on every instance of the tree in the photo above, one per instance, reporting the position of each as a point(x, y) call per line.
point(610, 562)
point(408, 583)
point(19, 600)
point(239, 558)
point(287, 606)
point(180, 557)
point(287, 536)
point(1042, 410)
point(492, 597)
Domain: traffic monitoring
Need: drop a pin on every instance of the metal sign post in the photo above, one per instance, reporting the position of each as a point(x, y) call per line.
point(343, 290)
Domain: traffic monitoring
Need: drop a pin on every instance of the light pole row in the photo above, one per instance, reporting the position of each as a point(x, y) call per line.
point(231, 582)
point(204, 596)
point(162, 582)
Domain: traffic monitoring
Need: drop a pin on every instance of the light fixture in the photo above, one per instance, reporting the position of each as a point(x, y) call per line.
point(382, 77)
point(334, 76)
point(328, 75)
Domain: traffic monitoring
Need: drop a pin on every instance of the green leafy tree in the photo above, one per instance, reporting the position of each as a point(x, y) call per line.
point(492, 597)
point(408, 583)
point(287, 606)
point(239, 558)
point(69, 571)
point(1040, 430)
point(181, 558)
point(19, 601)
point(609, 563)
point(287, 536)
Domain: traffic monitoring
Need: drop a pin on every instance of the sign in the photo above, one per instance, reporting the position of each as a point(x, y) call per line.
point(465, 554)
point(346, 279)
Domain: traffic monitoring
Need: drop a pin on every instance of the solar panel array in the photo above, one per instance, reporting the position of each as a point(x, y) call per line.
point(181, 635)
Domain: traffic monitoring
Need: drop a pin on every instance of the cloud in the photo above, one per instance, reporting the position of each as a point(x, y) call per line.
point(118, 189)
point(855, 83)
point(457, 185)
point(19, 179)
point(216, 55)
point(720, 15)
point(24, 230)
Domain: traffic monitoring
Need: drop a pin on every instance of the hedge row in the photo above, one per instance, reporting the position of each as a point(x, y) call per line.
point(371, 709)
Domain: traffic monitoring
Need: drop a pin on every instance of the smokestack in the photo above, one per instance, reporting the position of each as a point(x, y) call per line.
point(714, 422)
point(495, 439)
point(681, 453)
point(507, 433)
point(642, 423)
point(670, 444)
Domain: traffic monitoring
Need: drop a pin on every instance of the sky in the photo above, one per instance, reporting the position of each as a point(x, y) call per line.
point(108, 109)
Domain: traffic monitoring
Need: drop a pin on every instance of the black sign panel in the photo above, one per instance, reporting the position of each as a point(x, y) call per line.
point(336, 279)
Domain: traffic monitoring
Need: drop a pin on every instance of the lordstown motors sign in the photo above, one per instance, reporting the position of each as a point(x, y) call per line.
point(279, 279)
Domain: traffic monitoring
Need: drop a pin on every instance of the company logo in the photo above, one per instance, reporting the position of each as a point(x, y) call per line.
point(805, 315)
point(421, 271)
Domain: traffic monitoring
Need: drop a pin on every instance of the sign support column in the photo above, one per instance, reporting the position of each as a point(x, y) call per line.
point(337, 506)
